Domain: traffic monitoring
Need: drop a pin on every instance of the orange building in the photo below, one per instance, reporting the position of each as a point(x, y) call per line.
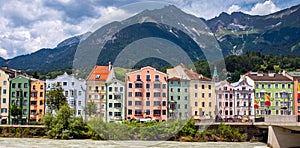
point(295, 76)
point(37, 100)
point(146, 93)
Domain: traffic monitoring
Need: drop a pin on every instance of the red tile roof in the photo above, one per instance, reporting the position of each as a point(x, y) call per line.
point(99, 73)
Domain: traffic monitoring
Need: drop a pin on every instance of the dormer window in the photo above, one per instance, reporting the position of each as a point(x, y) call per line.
point(98, 76)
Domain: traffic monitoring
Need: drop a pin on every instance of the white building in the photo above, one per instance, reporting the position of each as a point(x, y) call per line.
point(74, 91)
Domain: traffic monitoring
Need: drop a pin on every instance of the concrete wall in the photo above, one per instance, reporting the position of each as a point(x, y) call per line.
point(282, 138)
point(280, 119)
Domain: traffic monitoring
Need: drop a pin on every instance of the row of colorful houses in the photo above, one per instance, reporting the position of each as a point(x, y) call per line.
point(148, 94)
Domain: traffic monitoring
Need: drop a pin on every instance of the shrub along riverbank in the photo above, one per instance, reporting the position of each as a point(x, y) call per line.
point(63, 125)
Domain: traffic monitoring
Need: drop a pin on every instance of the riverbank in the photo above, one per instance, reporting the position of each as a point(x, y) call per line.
point(50, 143)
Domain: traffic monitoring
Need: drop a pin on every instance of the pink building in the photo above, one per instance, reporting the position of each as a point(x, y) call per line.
point(146, 93)
point(225, 100)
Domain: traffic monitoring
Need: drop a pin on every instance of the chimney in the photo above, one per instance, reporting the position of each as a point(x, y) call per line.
point(284, 73)
point(109, 66)
point(19, 71)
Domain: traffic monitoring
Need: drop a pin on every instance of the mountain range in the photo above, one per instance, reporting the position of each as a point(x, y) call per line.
point(236, 33)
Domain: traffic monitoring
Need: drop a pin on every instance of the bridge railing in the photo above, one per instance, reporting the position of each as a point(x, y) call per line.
point(281, 119)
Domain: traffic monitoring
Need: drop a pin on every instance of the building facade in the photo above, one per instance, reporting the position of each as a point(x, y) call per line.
point(225, 100)
point(96, 85)
point(179, 99)
point(4, 94)
point(295, 76)
point(278, 87)
point(146, 93)
point(74, 90)
point(37, 100)
point(20, 94)
point(115, 100)
point(243, 98)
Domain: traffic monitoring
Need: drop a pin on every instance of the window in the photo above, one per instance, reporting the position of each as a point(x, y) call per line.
point(147, 94)
point(138, 103)
point(4, 82)
point(185, 97)
point(269, 85)
point(164, 103)
point(203, 87)
point(25, 94)
point(147, 112)
point(156, 103)
point(109, 96)
point(178, 90)
point(3, 110)
point(147, 103)
point(147, 85)
point(156, 94)
point(110, 105)
point(178, 97)
point(185, 106)
point(209, 95)
point(209, 104)
point(178, 106)
point(156, 85)
point(171, 89)
point(256, 85)
point(138, 94)
point(129, 103)
point(196, 104)
point(41, 94)
point(116, 89)
point(129, 111)
point(220, 96)
point(90, 87)
point(262, 85)
point(289, 85)
point(138, 77)
point(129, 94)
point(203, 95)
point(209, 86)
point(138, 112)
point(164, 112)
point(156, 77)
point(148, 77)
point(102, 87)
point(283, 86)
point(110, 89)
point(276, 85)
point(203, 104)
point(121, 89)
point(4, 100)
point(196, 86)
point(129, 85)
point(156, 112)
point(90, 96)
point(65, 83)
point(25, 111)
point(164, 86)
point(19, 85)
point(196, 113)
point(117, 105)
point(196, 95)
point(13, 85)
point(79, 93)
point(97, 76)
point(25, 85)
point(79, 103)
point(185, 90)
point(138, 85)
point(4, 91)
point(66, 93)
point(96, 96)
point(164, 95)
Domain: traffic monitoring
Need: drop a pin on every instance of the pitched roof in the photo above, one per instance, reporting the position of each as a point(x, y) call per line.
point(195, 76)
point(267, 77)
point(99, 73)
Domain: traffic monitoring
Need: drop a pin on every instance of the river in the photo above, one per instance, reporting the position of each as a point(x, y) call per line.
point(49, 143)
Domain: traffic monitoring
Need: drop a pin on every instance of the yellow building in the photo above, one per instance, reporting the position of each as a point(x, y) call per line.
point(96, 89)
point(37, 100)
point(4, 94)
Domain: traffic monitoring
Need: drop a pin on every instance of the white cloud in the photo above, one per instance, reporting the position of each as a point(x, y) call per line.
point(3, 53)
point(263, 8)
point(233, 8)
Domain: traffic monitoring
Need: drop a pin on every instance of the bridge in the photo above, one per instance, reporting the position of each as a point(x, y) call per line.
point(283, 130)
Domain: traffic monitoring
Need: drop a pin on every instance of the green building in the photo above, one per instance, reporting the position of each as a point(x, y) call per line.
point(280, 89)
point(20, 94)
point(179, 99)
point(115, 100)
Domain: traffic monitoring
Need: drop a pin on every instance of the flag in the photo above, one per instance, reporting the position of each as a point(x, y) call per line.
point(298, 87)
point(255, 101)
point(267, 97)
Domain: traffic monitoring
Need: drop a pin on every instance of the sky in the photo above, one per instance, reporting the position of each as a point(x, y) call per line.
point(29, 25)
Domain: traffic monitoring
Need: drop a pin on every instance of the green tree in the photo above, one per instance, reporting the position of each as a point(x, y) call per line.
point(90, 108)
point(56, 98)
point(15, 110)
